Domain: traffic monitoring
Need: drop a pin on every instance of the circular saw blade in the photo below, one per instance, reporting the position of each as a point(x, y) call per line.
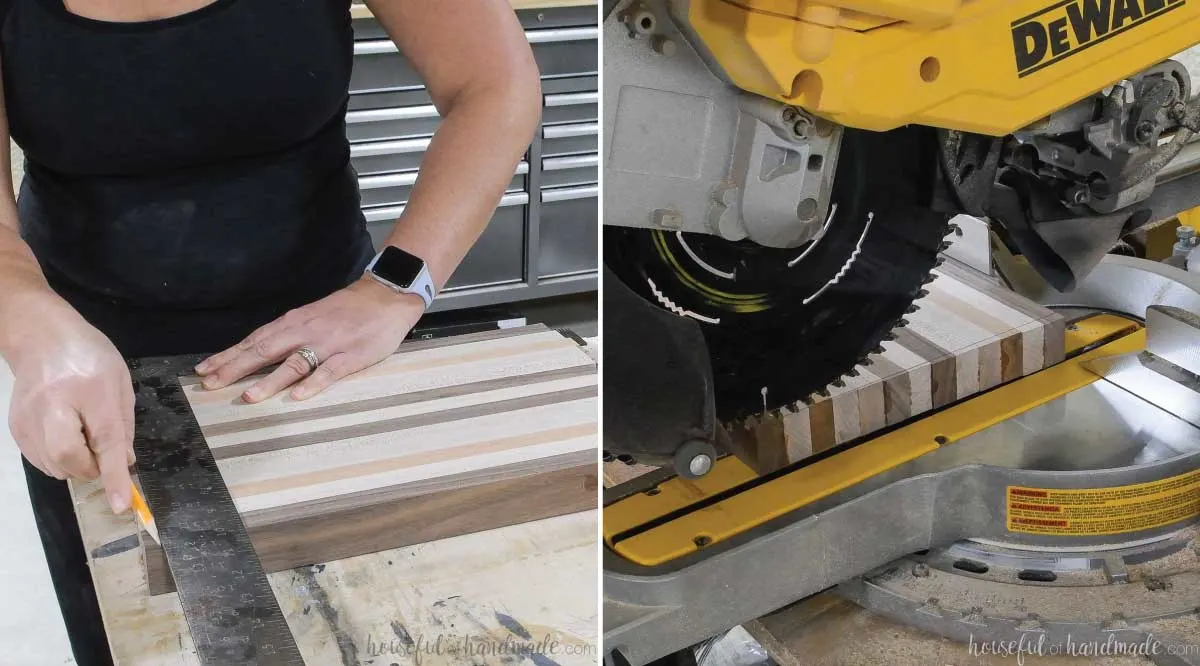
point(783, 324)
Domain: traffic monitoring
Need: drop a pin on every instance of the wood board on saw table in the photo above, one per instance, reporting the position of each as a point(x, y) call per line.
point(969, 334)
point(443, 438)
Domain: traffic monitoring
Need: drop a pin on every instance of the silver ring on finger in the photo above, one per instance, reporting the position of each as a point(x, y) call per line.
point(310, 357)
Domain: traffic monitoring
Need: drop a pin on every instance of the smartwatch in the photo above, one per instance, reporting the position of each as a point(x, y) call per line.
point(403, 273)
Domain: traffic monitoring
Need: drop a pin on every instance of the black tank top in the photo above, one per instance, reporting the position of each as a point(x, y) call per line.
point(194, 162)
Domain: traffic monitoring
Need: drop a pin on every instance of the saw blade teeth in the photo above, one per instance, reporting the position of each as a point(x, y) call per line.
point(902, 323)
point(912, 308)
point(929, 278)
point(922, 293)
point(853, 372)
point(878, 349)
point(838, 383)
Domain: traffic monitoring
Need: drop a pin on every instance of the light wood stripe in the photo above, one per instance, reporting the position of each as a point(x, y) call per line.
point(376, 467)
point(372, 404)
point(516, 357)
point(410, 346)
point(348, 501)
point(400, 424)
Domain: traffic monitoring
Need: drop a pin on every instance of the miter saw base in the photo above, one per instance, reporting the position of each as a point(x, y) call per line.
point(990, 510)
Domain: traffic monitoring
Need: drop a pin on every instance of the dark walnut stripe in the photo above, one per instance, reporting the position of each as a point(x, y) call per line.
point(401, 423)
point(350, 532)
point(943, 371)
point(366, 498)
point(383, 402)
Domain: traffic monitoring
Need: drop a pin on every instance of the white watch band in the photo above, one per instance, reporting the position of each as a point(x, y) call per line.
point(423, 287)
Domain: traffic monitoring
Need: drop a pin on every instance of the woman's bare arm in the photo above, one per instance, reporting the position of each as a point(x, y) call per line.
point(479, 69)
point(72, 405)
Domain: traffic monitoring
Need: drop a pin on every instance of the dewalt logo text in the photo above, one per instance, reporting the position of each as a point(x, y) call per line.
point(1063, 29)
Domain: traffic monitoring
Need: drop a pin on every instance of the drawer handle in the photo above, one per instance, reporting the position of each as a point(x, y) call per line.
point(570, 162)
point(383, 213)
point(570, 131)
point(398, 147)
point(554, 36)
point(562, 35)
point(395, 113)
point(573, 99)
point(409, 178)
point(570, 193)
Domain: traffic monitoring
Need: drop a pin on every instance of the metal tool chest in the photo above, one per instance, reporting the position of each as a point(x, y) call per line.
point(542, 240)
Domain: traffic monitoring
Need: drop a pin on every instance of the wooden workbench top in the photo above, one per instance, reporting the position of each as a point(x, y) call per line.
point(530, 586)
point(358, 10)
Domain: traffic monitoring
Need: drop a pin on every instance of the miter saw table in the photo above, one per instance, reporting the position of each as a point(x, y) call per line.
point(1062, 505)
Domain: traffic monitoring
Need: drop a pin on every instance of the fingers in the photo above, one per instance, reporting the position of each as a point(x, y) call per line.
point(293, 369)
point(208, 365)
point(255, 353)
point(110, 440)
point(333, 369)
point(65, 449)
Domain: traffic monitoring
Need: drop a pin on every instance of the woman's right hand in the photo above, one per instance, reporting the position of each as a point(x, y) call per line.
point(72, 406)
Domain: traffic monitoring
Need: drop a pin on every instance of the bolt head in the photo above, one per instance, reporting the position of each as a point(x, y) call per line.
point(1144, 132)
point(663, 46)
point(700, 465)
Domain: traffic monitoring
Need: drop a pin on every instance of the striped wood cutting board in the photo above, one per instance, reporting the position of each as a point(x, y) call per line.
point(445, 437)
point(969, 334)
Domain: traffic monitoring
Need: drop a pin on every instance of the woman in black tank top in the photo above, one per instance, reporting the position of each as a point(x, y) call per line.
point(188, 189)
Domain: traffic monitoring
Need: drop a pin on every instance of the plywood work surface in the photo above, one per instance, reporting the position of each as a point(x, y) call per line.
point(367, 481)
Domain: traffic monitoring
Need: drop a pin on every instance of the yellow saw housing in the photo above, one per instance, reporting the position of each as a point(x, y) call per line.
point(984, 66)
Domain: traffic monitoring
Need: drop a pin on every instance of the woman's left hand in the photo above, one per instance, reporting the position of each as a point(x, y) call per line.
point(349, 330)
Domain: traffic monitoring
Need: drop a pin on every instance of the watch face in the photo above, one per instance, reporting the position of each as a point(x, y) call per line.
point(398, 267)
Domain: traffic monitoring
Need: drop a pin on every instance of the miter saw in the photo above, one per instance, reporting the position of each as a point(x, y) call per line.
point(780, 178)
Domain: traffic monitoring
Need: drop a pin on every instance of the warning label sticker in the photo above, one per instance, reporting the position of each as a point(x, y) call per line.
point(1099, 511)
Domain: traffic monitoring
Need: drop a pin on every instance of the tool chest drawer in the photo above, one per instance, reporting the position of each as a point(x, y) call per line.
point(571, 107)
point(377, 157)
point(391, 98)
point(391, 123)
point(570, 139)
point(558, 17)
point(497, 258)
point(393, 189)
point(378, 64)
point(568, 231)
point(570, 170)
